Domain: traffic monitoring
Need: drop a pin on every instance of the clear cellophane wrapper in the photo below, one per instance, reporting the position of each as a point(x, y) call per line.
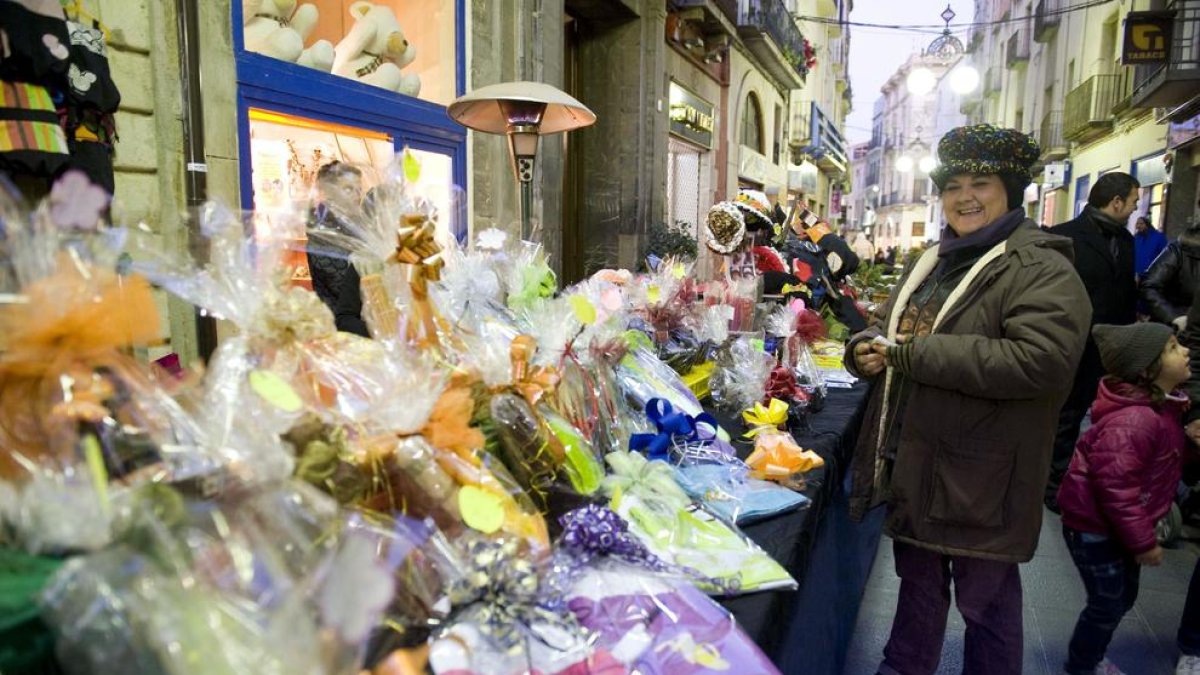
point(416, 455)
point(663, 305)
point(81, 421)
point(641, 609)
point(643, 376)
point(505, 622)
point(740, 377)
point(710, 472)
point(395, 245)
point(528, 278)
point(681, 532)
point(288, 360)
point(270, 581)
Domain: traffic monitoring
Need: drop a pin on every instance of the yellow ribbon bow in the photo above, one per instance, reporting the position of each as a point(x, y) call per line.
point(765, 417)
point(417, 248)
point(531, 382)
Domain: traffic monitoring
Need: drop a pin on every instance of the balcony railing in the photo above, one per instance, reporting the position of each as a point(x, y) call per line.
point(828, 144)
point(993, 81)
point(1050, 137)
point(1177, 81)
point(1018, 48)
point(784, 57)
point(1046, 19)
point(1089, 107)
point(727, 7)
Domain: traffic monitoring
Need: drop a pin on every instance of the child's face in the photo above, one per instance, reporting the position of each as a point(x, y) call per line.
point(1175, 369)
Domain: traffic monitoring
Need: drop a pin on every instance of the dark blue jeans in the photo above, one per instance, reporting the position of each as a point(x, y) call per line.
point(988, 594)
point(1189, 625)
point(1110, 576)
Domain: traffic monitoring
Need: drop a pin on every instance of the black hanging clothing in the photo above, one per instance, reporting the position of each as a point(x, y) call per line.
point(34, 45)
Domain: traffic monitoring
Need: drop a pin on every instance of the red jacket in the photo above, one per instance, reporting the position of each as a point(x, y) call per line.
point(1126, 466)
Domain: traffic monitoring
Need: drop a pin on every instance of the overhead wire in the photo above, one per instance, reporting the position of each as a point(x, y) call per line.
point(949, 26)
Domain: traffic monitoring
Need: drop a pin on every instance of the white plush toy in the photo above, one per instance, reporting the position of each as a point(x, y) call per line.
point(375, 50)
point(278, 28)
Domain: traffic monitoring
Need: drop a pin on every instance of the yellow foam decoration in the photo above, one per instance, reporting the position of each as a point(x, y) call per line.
point(584, 310)
point(275, 390)
point(412, 167)
point(653, 294)
point(481, 510)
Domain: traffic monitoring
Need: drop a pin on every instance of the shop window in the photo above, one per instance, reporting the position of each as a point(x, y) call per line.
point(286, 153)
point(752, 124)
point(406, 46)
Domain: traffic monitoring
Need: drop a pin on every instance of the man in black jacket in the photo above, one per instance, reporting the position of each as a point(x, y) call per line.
point(1105, 261)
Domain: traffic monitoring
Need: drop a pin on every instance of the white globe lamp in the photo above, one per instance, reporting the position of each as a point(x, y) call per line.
point(921, 81)
point(927, 164)
point(904, 164)
point(964, 79)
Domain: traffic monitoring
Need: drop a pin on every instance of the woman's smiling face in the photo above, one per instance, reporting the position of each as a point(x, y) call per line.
point(971, 201)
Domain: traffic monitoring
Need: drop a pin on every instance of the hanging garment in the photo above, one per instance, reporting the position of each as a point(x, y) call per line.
point(89, 79)
point(31, 140)
point(34, 45)
point(88, 103)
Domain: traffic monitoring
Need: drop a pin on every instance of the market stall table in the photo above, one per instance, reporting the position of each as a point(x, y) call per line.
point(798, 542)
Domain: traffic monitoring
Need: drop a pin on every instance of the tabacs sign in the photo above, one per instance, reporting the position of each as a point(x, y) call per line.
point(691, 116)
point(1147, 37)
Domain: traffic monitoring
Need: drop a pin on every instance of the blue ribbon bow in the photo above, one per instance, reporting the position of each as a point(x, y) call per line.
point(670, 424)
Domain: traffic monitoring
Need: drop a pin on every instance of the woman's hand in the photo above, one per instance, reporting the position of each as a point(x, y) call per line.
point(1193, 431)
point(868, 358)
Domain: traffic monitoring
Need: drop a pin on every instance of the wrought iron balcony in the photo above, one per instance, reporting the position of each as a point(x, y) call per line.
point(770, 32)
point(1050, 137)
point(828, 145)
point(1089, 107)
point(1046, 19)
point(1177, 81)
point(1018, 49)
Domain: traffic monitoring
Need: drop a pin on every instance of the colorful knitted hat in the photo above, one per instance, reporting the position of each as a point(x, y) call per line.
point(985, 149)
point(726, 228)
point(757, 207)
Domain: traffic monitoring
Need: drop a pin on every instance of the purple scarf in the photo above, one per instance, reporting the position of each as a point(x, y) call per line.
point(987, 236)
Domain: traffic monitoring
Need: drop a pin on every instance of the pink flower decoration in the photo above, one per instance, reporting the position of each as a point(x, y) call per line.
point(76, 203)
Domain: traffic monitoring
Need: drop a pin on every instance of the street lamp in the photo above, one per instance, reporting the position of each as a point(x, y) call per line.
point(524, 111)
point(945, 49)
point(905, 163)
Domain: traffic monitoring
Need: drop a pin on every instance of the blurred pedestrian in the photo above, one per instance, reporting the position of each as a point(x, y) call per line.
point(1170, 283)
point(1104, 259)
point(1148, 242)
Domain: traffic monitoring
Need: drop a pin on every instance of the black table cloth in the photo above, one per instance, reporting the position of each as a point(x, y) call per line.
point(794, 539)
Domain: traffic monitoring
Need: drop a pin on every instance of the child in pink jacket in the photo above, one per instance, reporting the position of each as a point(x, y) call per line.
point(1122, 479)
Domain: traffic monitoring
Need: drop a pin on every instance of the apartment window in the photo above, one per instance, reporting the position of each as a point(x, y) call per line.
point(752, 124)
point(778, 134)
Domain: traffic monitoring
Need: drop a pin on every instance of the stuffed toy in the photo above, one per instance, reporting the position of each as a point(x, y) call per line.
point(279, 29)
point(375, 50)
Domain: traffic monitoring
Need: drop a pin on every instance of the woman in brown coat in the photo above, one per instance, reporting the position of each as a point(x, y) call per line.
point(971, 360)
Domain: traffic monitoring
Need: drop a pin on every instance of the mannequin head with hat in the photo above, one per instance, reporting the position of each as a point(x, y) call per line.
point(982, 174)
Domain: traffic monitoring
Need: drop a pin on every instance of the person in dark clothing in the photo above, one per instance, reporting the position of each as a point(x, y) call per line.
point(340, 191)
point(1104, 259)
point(348, 309)
point(1170, 283)
point(1148, 242)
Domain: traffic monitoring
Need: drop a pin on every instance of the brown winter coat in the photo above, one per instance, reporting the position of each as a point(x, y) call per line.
point(982, 402)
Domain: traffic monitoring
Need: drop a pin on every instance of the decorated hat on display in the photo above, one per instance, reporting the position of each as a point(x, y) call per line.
point(726, 228)
point(757, 207)
point(984, 149)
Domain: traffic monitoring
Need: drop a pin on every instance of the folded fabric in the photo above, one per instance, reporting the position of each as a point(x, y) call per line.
point(735, 496)
point(661, 514)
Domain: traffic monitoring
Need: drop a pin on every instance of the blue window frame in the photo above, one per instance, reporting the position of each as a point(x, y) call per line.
point(271, 84)
point(1082, 185)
